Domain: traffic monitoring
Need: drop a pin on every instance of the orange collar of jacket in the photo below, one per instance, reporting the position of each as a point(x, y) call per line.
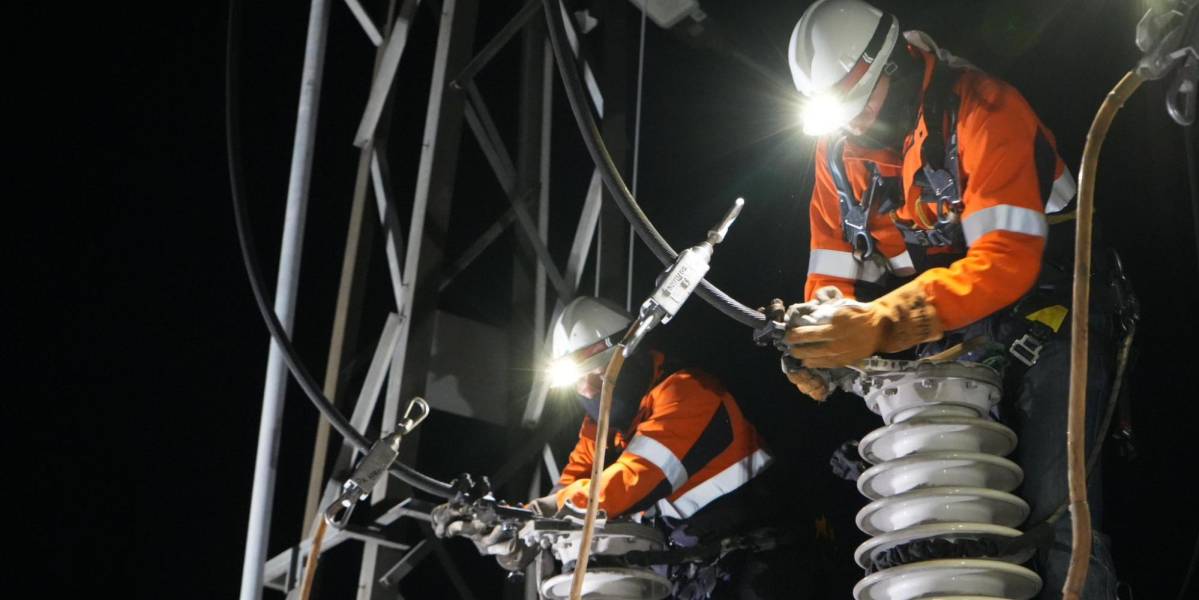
point(910, 162)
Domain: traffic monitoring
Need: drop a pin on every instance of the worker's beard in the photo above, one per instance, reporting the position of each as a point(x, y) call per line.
point(634, 381)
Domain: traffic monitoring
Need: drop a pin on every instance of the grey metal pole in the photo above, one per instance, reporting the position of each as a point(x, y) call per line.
point(265, 463)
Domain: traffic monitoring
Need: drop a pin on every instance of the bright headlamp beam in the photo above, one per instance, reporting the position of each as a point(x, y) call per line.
point(563, 372)
point(823, 114)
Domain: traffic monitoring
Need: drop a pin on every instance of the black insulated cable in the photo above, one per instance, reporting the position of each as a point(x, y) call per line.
point(249, 256)
point(612, 178)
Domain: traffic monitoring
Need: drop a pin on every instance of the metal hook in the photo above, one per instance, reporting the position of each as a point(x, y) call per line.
point(408, 423)
point(339, 511)
point(1180, 99)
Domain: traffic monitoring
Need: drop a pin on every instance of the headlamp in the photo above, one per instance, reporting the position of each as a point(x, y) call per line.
point(824, 114)
point(563, 372)
point(567, 369)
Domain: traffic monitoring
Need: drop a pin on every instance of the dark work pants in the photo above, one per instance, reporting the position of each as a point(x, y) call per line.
point(1040, 415)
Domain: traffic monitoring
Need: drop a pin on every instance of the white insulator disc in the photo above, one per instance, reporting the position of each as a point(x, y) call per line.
point(955, 577)
point(937, 434)
point(940, 469)
point(921, 411)
point(948, 531)
point(942, 505)
point(610, 584)
point(913, 391)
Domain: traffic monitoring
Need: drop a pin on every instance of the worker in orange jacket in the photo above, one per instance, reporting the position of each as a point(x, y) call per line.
point(681, 437)
point(935, 194)
point(681, 457)
point(687, 460)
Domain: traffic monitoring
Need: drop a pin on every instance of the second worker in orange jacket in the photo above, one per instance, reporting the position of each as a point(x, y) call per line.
point(688, 461)
point(681, 437)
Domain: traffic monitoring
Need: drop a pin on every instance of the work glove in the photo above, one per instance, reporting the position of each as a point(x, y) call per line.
point(850, 330)
point(574, 501)
point(499, 540)
point(450, 520)
point(809, 382)
point(545, 506)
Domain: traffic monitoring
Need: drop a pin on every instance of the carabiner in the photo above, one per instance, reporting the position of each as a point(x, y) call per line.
point(409, 422)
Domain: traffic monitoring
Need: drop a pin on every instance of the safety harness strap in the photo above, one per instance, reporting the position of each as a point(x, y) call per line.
point(881, 197)
point(939, 154)
point(939, 175)
point(937, 99)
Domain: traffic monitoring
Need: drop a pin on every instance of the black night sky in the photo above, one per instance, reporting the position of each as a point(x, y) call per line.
point(148, 355)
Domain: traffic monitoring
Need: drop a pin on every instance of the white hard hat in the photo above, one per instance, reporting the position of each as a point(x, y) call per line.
point(838, 51)
point(579, 330)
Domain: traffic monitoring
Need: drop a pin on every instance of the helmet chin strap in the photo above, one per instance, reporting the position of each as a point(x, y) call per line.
point(897, 116)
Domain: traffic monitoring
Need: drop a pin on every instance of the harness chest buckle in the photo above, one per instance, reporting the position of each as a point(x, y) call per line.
point(1027, 348)
point(941, 182)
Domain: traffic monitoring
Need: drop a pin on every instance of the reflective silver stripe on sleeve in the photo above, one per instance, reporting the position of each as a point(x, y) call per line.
point(1004, 217)
point(666, 509)
point(836, 263)
point(902, 265)
point(1063, 192)
point(833, 263)
point(653, 451)
point(716, 486)
point(871, 270)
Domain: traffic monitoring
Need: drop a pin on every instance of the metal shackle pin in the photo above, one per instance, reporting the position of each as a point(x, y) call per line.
point(374, 465)
point(715, 236)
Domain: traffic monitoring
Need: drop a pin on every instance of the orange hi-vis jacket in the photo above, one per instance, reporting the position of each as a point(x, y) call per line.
point(1010, 178)
point(688, 445)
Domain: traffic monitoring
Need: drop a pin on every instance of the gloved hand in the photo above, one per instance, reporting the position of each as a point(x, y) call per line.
point(499, 541)
point(853, 330)
point(577, 493)
point(809, 382)
point(454, 520)
point(825, 303)
point(545, 506)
